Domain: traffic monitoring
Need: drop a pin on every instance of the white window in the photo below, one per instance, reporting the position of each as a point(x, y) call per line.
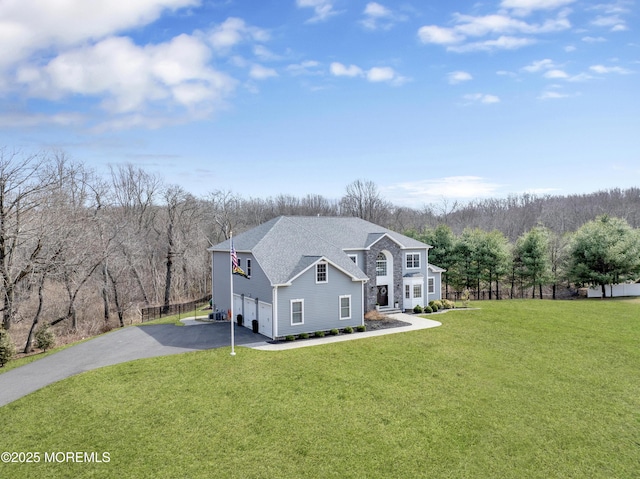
point(345, 307)
point(297, 311)
point(321, 273)
point(432, 286)
point(417, 291)
point(248, 267)
point(407, 291)
point(412, 260)
point(354, 258)
point(381, 265)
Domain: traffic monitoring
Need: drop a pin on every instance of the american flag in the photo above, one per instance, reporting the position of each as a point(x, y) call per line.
point(236, 269)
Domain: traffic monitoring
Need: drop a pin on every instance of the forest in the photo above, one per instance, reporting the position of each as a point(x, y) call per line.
point(83, 252)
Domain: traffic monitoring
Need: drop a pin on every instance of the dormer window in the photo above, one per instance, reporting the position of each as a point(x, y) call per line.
point(321, 273)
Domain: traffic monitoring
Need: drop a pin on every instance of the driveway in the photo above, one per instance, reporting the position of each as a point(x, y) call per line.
point(120, 346)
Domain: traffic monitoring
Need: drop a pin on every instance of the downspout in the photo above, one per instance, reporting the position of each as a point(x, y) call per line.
point(212, 300)
point(274, 312)
point(362, 283)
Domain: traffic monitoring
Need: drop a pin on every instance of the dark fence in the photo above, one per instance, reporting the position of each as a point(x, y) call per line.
point(156, 312)
point(562, 292)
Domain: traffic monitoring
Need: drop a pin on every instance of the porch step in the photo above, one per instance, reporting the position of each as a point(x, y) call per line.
point(390, 310)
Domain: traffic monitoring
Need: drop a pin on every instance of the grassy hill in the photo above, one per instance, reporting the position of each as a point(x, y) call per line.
point(535, 389)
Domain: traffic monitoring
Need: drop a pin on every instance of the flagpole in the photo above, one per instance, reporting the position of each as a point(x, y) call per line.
point(233, 352)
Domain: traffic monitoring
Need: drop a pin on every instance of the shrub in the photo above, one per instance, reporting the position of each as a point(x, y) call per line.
point(290, 338)
point(464, 297)
point(45, 339)
point(417, 309)
point(319, 334)
point(447, 304)
point(434, 308)
point(7, 349)
point(303, 335)
point(362, 328)
point(427, 310)
point(437, 303)
point(348, 330)
point(334, 332)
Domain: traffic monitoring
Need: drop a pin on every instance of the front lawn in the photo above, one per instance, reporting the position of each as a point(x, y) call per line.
point(516, 389)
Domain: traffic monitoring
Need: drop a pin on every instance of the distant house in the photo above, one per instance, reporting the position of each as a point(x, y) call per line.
point(307, 274)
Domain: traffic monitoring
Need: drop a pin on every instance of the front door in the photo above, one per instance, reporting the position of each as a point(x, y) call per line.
point(383, 295)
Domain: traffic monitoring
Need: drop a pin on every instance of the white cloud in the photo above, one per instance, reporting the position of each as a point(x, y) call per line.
point(129, 77)
point(380, 74)
point(340, 70)
point(504, 31)
point(374, 75)
point(71, 23)
point(552, 95)
point(233, 31)
point(501, 43)
point(605, 70)
point(539, 65)
point(307, 67)
point(556, 74)
point(259, 72)
point(612, 22)
point(322, 9)
point(439, 35)
point(459, 77)
point(379, 17)
point(263, 53)
point(481, 98)
point(414, 193)
point(588, 39)
point(525, 7)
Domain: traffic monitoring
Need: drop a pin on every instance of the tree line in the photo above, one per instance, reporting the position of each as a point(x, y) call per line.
point(84, 251)
point(605, 250)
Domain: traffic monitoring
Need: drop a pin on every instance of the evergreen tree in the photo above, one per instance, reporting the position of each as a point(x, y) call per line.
point(605, 251)
point(532, 250)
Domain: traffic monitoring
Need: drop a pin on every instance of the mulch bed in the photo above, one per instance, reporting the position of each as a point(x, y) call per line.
point(375, 324)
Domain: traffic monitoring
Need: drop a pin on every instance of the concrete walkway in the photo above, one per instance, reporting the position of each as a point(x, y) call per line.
point(139, 342)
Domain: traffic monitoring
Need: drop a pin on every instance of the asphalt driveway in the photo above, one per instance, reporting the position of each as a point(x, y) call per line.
point(120, 346)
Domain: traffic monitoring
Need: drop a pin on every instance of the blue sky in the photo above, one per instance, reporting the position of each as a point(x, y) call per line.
point(430, 100)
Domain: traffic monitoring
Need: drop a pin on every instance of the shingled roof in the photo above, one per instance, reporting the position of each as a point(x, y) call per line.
point(286, 246)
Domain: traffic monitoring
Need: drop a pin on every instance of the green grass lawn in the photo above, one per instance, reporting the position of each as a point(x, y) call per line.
point(516, 389)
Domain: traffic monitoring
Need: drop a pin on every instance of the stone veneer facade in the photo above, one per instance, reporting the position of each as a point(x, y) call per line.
point(371, 294)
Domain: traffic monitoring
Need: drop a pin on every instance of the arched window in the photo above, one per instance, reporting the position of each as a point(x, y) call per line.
point(381, 265)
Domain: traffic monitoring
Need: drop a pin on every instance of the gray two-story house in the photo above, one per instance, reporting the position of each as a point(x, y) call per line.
point(308, 274)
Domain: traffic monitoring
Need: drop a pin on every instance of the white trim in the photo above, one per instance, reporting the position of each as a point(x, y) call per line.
point(326, 272)
point(388, 236)
point(340, 307)
point(406, 255)
point(323, 258)
point(353, 257)
point(291, 301)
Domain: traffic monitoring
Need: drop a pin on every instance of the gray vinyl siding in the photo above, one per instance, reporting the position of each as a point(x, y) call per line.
point(258, 286)
point(437, 284)
point(321, 302)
